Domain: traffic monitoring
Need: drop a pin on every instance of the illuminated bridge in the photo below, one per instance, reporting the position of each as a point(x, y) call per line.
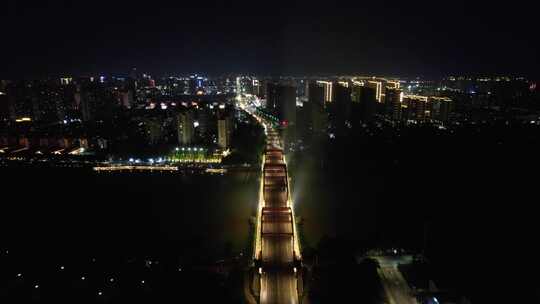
point(277, 252)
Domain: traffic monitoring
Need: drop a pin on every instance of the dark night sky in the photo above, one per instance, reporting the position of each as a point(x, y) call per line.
point(290, 37)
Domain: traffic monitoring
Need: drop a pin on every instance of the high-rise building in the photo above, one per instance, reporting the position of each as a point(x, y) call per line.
point(225, 129)
point(127, 100)
point(392, 103)
point(39, 100)
point(416, 107)
point(245, 85)
point(263, 86)
point(356, 90)
point(312, 113)
point(393, 84)
point(20, 101)
point(316, 94)
point(342, 104)
point(185, 128)
point(421, 108)
point(440, 108)
point(257, 85)
point(94, 100)
point(86, 102)
point(367, 98)
point(153, 130)
point(343, 83)
point(328, 93)
point(4, 106)
point(281, 100)
point(319, 120)
point(195, 82)
point(302, 88)
point(66, 81)
point(36, 111)
point(378, 86)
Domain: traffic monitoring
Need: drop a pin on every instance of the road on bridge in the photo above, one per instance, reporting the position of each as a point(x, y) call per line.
point(396, 289)
point(278, 287)
point(277, 234)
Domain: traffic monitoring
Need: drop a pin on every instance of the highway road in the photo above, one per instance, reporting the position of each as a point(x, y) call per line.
point(396, 289)
point(275, 239)
point(278, 279)
point(275, 197)
point(277, 225)
point(278, 287)
point(277, 251)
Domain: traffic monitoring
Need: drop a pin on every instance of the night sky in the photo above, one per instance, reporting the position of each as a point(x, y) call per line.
point(408, 38)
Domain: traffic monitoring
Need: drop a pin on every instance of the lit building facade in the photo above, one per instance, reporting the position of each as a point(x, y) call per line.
point(328, 90)
point(186, 130)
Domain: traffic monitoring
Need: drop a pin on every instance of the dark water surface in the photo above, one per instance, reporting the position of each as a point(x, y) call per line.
point(171, 231)
point(81, 211)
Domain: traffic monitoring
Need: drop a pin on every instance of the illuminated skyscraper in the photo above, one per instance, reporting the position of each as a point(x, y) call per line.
point(281, 100)
point(393, 84)
point(195, 84)
point(416, 107)
point(86, 101)
point(302, 88)
point(66, 81)
point(378, 86)
point(356, 91)
point(257, 87)
point(427, 107)
point(315, 114)
point(342, 103)
point(262, 88)
point(224, 131)
point(185, 128)
point(245, 85)
point(393, 99)
point(328, 90)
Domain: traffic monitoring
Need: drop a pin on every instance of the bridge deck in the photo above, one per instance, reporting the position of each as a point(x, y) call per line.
point(277, 239)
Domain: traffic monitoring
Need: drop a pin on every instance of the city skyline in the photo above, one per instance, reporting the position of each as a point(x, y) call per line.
point(269, 152)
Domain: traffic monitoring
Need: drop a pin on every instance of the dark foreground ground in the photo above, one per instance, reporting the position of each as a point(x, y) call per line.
point(73, 236)
point(471, 192)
